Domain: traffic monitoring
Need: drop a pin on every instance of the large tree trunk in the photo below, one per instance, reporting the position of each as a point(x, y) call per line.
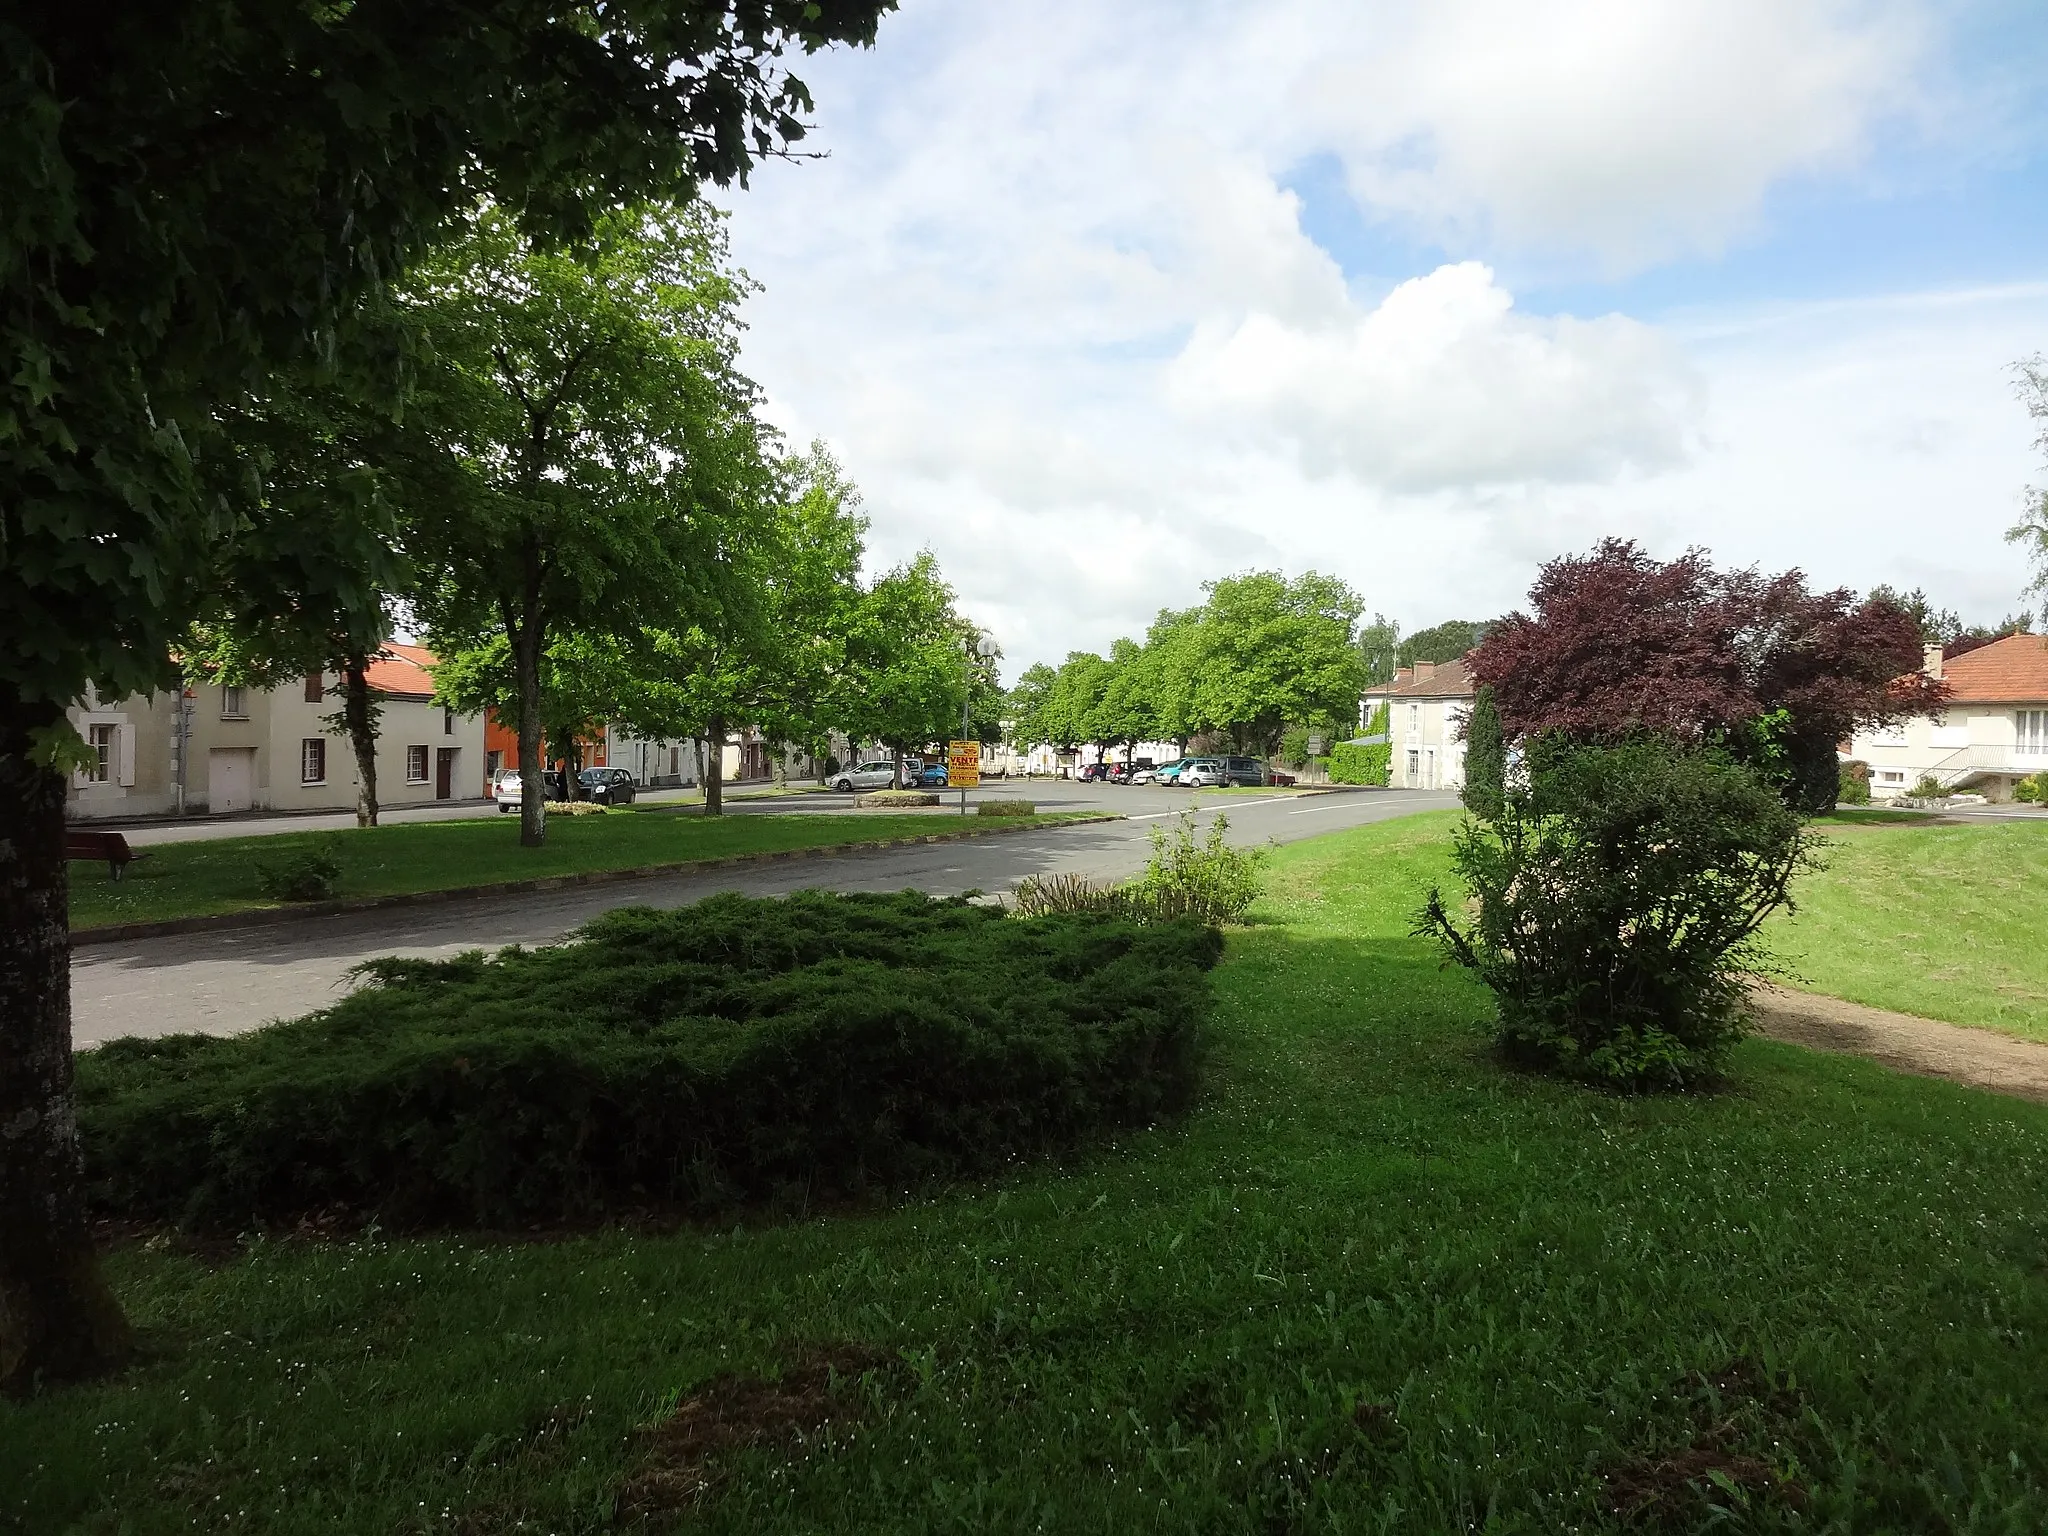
point(58, 1320)
point(533, 790)
point(360, 718)
point(714, 766)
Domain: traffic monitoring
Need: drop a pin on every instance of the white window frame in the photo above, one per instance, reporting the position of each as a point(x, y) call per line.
point(416, 754)
point(234, 702)
point(2030, 732)
point(311, 747)
point(105, 740)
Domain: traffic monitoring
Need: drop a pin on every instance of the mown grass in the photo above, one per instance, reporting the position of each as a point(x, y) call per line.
point(197, 879)
point(1373, 1283)
point(1946, 921)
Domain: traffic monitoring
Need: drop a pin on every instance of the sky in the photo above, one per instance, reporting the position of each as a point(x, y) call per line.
point(1101, 302)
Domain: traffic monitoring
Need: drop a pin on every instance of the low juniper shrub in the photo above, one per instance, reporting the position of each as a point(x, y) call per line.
point(1615, 895)
point(682, 1060)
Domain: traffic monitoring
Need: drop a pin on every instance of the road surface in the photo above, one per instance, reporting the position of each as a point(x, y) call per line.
point(220, 983)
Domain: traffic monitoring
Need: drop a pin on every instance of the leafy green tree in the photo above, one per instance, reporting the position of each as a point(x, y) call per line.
point(1173, 665)
point(1441, 642)
point(907, 674)
point(1379, 648)
point(587, 452)
point(1486, 757)
point(1272, 651)
point(1124, 714)
point(192, 198)
point(1029, 706)
point(1077, 693)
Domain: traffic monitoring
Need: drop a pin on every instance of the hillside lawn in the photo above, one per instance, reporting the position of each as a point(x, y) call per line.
point(1948, 921)
point(1374, 1282)
point(222, 875)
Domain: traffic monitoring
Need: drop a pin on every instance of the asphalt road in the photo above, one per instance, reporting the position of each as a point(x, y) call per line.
point(220, 983)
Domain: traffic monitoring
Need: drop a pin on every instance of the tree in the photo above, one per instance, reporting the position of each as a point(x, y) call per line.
point(1124, 714)
point(1029, 706)
point(1379, 649)
point(1944, 627)
point(2031, 531)
point(907, 674)
point(1077, 691)
point(191, 198)
point(1443, 642)
point(1620, 643)
point(586, 455)
point(1486, 757)
point(1270, 652)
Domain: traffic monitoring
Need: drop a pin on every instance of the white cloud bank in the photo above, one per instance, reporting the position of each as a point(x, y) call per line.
point(1051, 301)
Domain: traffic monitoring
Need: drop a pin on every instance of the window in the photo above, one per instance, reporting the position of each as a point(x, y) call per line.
point(1891, 776)
point(313, 760)
point(415, 765)
point(316, 687)
point(447, 721)
point(234, 704)
point(101, 739)
point(1414, 762)
point(2033, 731)
point(1414, 718)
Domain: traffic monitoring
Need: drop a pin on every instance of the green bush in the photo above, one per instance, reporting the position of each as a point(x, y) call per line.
point(1208, 880)
point(1616, 896)
point(2033, 788)
point(1005, 807)
point(1928, 787)
point(675, 1059)
point(1050, 895)
point(311, 874)
point(1855, 785)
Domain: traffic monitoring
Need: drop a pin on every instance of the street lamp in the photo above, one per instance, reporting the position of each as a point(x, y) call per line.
point(974, 646)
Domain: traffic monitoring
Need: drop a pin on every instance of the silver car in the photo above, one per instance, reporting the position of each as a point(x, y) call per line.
point(865, 776)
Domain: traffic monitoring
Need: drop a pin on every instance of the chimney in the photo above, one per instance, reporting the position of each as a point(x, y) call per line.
point(1930, 661)
point(1403, 675)
point(1423, 669)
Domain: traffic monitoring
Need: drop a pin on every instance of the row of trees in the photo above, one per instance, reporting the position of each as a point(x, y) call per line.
point(1259, 654)
point(561, 475)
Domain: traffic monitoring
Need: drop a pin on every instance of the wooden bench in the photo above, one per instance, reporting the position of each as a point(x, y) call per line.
point(111, 846)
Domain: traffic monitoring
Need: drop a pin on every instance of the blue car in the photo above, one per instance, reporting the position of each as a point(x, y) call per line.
point(933, 776)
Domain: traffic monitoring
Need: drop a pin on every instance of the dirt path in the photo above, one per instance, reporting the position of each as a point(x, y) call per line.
point(1977, 1057)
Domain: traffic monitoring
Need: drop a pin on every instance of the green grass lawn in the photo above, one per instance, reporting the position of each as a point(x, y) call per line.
point(1373, 1283)
point(221, 875)
point(1950, 922)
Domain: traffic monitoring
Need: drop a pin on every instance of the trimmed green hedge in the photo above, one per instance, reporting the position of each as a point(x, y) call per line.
point(1350, 764)
point(681, 1059)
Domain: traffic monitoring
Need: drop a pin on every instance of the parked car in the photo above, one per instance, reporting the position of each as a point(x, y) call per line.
point(933, 776)
point(1206, 772)
point(607, 786)
point(509, 790)
point(865, 776)
point(1092, 773)
point(1165, 773)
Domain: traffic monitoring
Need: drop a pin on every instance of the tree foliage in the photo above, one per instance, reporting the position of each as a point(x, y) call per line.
point(1443, 642)
point(1619, 643)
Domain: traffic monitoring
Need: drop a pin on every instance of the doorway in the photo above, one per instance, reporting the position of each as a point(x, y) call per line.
point(444, 772)
point(231, 779)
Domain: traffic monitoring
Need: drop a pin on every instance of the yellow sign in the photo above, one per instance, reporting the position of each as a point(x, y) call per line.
point(963, 765)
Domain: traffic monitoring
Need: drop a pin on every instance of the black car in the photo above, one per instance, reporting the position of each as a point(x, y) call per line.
point(607, 786)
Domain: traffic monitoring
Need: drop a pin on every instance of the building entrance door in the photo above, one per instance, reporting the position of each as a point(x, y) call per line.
point(444, 772)
point(231, 779)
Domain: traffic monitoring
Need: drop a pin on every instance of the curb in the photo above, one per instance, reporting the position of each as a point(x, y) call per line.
point(266, 917)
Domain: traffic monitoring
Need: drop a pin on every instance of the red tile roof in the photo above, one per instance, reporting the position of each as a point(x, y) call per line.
point(402, 670)
point(2009, 671)
point(1426, 680)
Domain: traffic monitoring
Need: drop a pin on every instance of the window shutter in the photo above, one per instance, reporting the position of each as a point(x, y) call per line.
point(124, 754)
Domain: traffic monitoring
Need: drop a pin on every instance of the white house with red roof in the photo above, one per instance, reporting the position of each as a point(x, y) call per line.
point(1993, 733)
point(220, 749)
point(1427, 705)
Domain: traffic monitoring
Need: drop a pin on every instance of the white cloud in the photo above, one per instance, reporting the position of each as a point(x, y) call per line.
point(1051, 302)
point(1443, 384)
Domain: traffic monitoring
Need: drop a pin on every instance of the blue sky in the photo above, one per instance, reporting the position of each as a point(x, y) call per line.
point(1102, 302)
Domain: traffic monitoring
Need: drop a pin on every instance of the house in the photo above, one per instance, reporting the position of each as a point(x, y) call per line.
point(216, 749)
point(1993, 733)
point(1427, 705)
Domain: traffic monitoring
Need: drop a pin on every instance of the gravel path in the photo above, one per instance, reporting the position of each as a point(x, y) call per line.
point(1979, 1058)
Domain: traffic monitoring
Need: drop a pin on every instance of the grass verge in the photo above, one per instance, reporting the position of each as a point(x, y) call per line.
point(1940, 920)
point(198, 879)
point(1374, 1283)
